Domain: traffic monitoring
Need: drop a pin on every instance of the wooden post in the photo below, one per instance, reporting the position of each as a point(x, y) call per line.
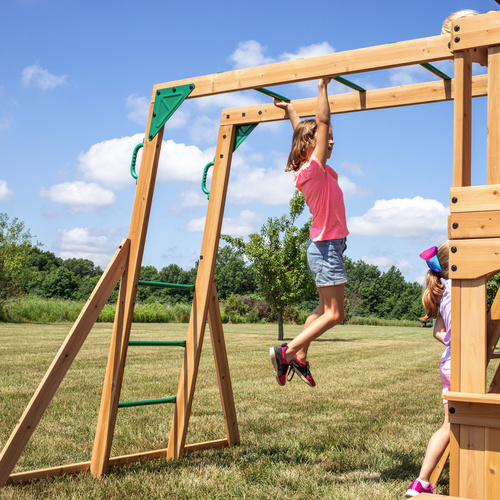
point(125, 310)
point(201, 301)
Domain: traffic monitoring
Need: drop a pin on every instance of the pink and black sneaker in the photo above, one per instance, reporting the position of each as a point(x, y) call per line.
point(280, 364)
point(303, 371)
point(417, 488)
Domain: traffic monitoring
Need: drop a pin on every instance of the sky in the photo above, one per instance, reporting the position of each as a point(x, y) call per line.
point(75, 83)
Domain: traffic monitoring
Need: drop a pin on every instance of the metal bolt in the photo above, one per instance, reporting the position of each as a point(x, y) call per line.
point(150, 137)
point(243, 114)
point(224, 136)
point(457, 28)
point(201, 257)
point(227, 117)
point(260, 112)
point(454, 199)
point(457, 39)
point(174, 90)
point(455, 225)
point(221, 156)
point(454, 268)
point(449, 45)
point(158, 92)
point(454, 249)
point(191, 87)
point(452, 410)
point(154, 115)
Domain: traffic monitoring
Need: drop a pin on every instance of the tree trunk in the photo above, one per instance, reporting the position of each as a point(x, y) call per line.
point(280, 323)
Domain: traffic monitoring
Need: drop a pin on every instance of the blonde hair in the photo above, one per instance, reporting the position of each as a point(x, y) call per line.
point(303, 142)
point(446, 29)
point(434, 289)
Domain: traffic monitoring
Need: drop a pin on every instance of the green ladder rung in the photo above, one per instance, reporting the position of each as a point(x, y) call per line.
point(179, 343)
point(349, 84)
point(166, 285)
point(146, 402)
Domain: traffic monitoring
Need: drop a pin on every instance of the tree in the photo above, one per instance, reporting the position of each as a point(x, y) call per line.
point(279, 260)
point(15, 246)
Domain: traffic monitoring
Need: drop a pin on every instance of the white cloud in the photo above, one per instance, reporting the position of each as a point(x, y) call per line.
point(192, 198)
point(85, 243)
point(41, 77)
point(80, 196)
point(249, 54)
point(401, 218)
point(242, 225)
point(108, 162)
point(350, 188)
point(6, 194)
point(408, 75)
point(316, 49)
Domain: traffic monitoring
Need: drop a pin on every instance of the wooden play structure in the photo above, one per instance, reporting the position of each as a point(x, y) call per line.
point(474, 233)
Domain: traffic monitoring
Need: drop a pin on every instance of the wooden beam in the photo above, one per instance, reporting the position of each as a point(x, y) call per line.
point(201, 300)
point(472, 259)
point(493, 139)
point(475, 31)
point(62, 362)
point(475, 198)
point(462, 120)
point(407, 95)
point(474, 225)
point(337, 64)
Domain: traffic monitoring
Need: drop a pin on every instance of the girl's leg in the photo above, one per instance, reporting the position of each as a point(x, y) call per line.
point(332, 299)
point(437, 444)
point(302, 353)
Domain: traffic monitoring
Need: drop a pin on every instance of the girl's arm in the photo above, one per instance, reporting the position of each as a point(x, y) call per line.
point(439, 329)
point(289, 110)
point(322, 121)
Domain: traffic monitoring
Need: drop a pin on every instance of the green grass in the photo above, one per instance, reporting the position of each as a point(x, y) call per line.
point(360, 434)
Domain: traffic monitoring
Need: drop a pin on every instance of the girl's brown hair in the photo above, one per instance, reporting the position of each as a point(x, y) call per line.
point(304, 139)
point(434, 289)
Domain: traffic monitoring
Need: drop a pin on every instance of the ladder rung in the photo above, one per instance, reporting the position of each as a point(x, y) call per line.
point(180, 343)
point(166, 285)
point(146, 402)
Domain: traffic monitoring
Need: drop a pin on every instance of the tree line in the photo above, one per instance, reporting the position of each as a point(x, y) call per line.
point(265, 278)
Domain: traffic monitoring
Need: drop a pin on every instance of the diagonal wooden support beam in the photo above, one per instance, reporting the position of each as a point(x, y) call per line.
point(62, 362)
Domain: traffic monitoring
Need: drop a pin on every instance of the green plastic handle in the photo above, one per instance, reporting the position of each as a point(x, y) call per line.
point(204, 179)
point(134, 159)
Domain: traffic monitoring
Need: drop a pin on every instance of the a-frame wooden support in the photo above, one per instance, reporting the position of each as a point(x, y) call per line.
point(474, 233)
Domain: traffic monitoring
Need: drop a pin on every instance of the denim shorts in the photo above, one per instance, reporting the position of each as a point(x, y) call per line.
point(324, 260)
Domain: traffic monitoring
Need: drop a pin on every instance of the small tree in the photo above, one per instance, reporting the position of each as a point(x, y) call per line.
point(279, 260)
point(15, 246)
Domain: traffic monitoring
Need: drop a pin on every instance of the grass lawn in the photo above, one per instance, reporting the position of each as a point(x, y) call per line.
point(361, 433)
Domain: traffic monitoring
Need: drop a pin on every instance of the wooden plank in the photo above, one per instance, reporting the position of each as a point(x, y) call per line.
point(472, 259)
point(476, 31)
point(462, 131)
point(472, 471)
point(471, 397)
point(475, 414)
point(475, 198)
point(473, 341)
point(222, 369)
point(407, 95)
point(474, 225)
point(339, 63)
point(493, 139)
point(438, 470)
point(456, 314)
point(204, 282)
point(429, 496)
point(492, 463)
point(454, 458)
point(123, 321)
point(62, 362)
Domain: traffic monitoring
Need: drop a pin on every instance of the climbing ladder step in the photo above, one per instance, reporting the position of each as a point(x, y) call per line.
point(166, 285)
point(128, 404)
point(179, 343)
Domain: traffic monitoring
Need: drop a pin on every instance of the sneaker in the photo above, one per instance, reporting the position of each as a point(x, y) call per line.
point(280, 364)
point(416, 488)
point(303, 371)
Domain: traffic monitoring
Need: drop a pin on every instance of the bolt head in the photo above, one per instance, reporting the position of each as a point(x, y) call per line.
point(158, 92)
point(455, 225)
point(454, 249)
point(454, 268)
point(454, 199)
point(457, 39)
point(457, 28)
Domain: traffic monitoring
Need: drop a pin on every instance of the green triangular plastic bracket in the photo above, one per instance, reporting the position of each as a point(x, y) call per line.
point(242, 132)
point(166, 103)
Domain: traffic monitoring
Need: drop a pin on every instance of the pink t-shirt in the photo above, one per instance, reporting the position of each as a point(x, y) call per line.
point(324, 198)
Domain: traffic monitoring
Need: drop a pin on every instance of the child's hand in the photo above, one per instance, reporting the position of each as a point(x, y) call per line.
point(325, 81)
point(281, 104)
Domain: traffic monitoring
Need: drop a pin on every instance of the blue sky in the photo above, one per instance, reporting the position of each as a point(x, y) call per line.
point(76, 78)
